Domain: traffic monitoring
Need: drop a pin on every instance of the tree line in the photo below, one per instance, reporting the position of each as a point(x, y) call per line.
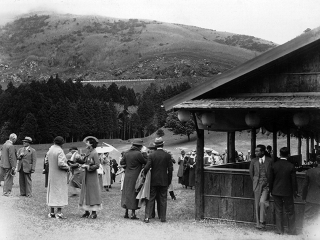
point(45, 109)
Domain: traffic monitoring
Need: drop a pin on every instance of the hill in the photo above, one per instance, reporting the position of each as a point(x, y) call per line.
point(38, 45)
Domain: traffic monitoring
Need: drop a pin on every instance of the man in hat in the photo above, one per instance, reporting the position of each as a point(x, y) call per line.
point(161, 166)
point(133, 160)
point(27, 159)
point(8, 163)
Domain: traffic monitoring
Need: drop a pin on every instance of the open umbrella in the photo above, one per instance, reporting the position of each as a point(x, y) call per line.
point(107, 148)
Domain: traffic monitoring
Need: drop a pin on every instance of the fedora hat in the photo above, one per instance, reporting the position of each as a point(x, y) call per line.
point(152, 146)
point(58, 140)
point(137, 142)
point(88, 137)
point(27, 139)
point(158, 141)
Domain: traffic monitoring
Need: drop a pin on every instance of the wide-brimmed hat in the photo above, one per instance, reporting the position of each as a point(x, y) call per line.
point(58, 140)
point(183, 151)
point(137, 142)
point(27, 139)
point(88, 137)
point(158, 141)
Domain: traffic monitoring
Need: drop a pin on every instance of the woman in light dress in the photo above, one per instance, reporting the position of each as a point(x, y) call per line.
point(106, 164)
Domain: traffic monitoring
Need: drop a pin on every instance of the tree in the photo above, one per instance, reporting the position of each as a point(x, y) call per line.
point(5, 132)
point(177, 127)
point(160, 132)
point(29, 127)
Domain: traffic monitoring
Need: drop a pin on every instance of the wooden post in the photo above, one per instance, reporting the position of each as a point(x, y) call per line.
point(253, 142)
point(274, 141)
point(231, 147)
point(307, 149)
point(312, 143)
point(199, 178)
point(288, 139)
point(299, 143)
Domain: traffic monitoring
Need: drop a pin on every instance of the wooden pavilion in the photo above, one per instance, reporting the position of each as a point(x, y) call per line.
point(278, 91)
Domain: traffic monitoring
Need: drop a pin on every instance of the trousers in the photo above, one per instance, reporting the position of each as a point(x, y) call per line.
point(159, 192)
point(25, 183)
point(287, 203)
point(7, 181)
point(261, 201)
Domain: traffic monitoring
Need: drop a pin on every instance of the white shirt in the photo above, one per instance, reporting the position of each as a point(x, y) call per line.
point(261, 160)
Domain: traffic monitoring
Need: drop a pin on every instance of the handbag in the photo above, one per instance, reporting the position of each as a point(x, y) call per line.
point(140, 181)
point(100, 169)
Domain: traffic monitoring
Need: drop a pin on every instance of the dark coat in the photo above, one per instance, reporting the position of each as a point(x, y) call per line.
point(133, 160)
point(282, 180)
point(311, 186)
point(192, 169)
point(161, 168)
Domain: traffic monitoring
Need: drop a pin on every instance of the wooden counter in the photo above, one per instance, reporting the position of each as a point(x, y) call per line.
point(228, 194)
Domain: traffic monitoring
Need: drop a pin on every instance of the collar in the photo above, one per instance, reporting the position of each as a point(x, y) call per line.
point(27, 148)
point(10, 141)
point(263, 158)
point(283, 158)
point(159, 148)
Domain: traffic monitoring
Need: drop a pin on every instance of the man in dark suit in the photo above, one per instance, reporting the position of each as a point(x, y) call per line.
point(283, 187)
point(311, 194)
point(8, 163)
point(161, 175)
point(27, 159)
point(259, 174)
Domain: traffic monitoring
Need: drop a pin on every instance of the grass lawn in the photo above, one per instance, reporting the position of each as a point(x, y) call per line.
point(26, 218)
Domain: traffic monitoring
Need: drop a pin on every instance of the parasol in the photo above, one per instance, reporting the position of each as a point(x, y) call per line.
point(107, 148)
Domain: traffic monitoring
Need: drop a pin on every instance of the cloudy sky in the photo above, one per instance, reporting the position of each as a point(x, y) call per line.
point(275, 20)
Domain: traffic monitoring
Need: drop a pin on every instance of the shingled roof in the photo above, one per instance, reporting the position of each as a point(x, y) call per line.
point(301, 43)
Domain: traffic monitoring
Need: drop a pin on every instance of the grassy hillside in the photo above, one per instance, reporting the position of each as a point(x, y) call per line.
point(36, 46)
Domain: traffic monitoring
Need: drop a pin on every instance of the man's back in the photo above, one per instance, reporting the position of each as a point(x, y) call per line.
point(8, 155)
point(162, 168)
point(283, 178)
point(311, 186)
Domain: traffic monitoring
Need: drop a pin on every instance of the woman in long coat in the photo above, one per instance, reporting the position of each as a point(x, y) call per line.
point(133, 161)
point(180, 170)
point(106, 177)
point(186, 169)
point(90, 196)
point(191, 164)
point(57, 191)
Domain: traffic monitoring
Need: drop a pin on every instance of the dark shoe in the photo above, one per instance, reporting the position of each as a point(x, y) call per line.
point(74, 195)
point(60, 216)
point(126, 216)
point(29, 196)
point(93, 216)
point(163, 220)
point(146, 220)
point(22, 195)
point(85, 215)
point(51, 215)
point(279, 233)
point(134, 217)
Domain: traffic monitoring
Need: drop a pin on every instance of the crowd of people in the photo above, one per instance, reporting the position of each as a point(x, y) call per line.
point(146, 179)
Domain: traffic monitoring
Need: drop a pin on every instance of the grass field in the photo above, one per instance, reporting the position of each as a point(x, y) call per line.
point(26, 218)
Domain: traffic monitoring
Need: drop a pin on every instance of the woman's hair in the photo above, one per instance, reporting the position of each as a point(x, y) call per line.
point(92, 142)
